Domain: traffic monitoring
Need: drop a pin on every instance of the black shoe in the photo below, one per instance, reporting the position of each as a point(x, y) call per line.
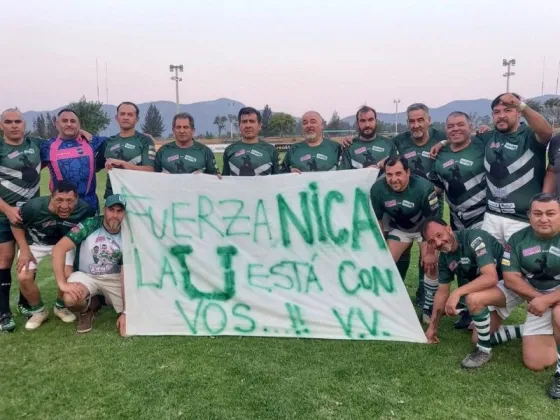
point(464, 321)
point(554, 389)
point(7, 323)
point(476, 359)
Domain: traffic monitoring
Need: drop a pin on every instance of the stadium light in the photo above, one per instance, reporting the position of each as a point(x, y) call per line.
point(177, 79)
point(509, 64)
point(397, 102)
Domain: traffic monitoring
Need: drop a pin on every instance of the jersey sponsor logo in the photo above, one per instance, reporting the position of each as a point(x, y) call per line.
point(410, 154)
point(466, 162)
point(190, 158)
point(391, 203)
point(509, 211)
point(449, 163)
point(49, 223)
point(554, 251)
point(505, 262)
point(172, 158)
point(408, 204)
point(75, 229)
point(507, 255)
point(240, 153)
point(256, 153)
point(29, 152)
point(115, 147)
point(129, 146)
point(360, 150)
point(481, 252)
point(14, 154)
point(305, 157)
point(531, 251)
point(68, 224)
point(481, 246)
point(507, 205)
point(453, 265)
point(495, 145)
point(465, 260)
point(511, 146)
point(377, 149)
point(100, 239)
point(322, 157)
point(427, 155)
point(476, 242)
point(151, 152)
point(433, 201)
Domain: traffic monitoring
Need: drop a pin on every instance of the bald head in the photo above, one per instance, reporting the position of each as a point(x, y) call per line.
point(312, 126)
point(13, 125)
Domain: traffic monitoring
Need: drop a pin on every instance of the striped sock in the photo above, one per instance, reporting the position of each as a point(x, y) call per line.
point(558, 360)
point(507, 333)
point(59, 304)
point(38, 308)
point(430, 289)
point(482, 325)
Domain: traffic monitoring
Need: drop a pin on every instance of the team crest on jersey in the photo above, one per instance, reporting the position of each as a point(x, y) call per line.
point(115, 147)
point(554, 251)
point(190, 158)
point(360, 150)
point(391, 203)
point(29, 152)
point(410, 154)
point(322, 157)
point(465, 260)
point(466, 162)
point(75, 229)
point(305, 157)
point(481, 252)
point(408, 204)
point(449, 163)
point(495, 145)
point(377, 149)
point(453, 265)
point(14, 154)
point(172, 158)
point(100, 239)
point(531, 251)
point(240, 153)
point(256, 153)
point(129, 146)
point(510, 146)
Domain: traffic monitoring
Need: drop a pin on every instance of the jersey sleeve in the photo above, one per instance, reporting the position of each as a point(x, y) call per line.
point(482, 251)
point(376, 201)
point(445, 275)
point(287, 162)
point(97, 142)
point(431, 203)
point(45, 148)
point(211, 167)
point(27, 215)
point(534, 143)
point(226, 171)
point(82, 230)
point(157, 161)
point(510, 259)
point(553, 149)
point(275, 162)
point(345, 160)
point(148, 152)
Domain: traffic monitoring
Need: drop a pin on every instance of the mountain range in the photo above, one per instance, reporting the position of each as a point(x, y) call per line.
point(205, 112)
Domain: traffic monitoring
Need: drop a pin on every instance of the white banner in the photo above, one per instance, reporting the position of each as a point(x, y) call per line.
point(276, 256)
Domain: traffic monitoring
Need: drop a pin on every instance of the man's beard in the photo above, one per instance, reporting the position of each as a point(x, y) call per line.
point(368, 136)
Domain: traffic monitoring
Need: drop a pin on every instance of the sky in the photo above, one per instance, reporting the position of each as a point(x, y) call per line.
point(293, 55)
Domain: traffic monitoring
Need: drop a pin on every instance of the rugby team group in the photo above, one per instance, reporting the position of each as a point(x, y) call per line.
point(502, 243)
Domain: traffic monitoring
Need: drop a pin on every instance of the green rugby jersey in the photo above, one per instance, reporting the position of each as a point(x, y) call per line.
point(419, 158)
point(407, 209)
point(173, 159)
point(476, 248)
point(42, 227)
point(363, 153)
point(515, 166)
point(538, 260)
point(137, 149)
point(321, 158)
point(250, 159)
point(463, 177)
point(20, 168)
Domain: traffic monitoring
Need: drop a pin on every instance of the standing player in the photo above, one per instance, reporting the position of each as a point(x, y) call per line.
point(44, 221)
point(71, 157)
point(250, 156)
point(369, 148)
point(459, 171)
point(408, 199)
point(94, 276)
point(185, 155)
point(531, 266)
point(129, 149)
point(20, 167)
point(315, 153)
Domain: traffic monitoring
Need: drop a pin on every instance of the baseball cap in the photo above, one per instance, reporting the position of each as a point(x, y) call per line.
point(115, 199)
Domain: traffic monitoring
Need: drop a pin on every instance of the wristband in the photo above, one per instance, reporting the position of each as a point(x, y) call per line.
point(522, 106)
point(443, 143)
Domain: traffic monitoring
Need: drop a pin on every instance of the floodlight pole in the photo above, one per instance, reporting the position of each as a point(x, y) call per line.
point(509, 64)
point(177, 79)
point(397, 102)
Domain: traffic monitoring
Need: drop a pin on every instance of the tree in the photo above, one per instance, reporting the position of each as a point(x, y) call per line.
point(552, 110)
point(266, 115)
point(535, 105)
point(335, 122)
point(486, 120)
point(92, 117)
point(475, 119)
point(52, 131)
point(153, 123)
point(281, 124)
point(233, 121)
point(220, 122)
point(40, 126)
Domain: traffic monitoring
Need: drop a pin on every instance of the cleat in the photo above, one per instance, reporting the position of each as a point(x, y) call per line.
point(7, 323)
point(24, 311)
point(426, 316)
point(476, 359)
point(37, 319)
point(64, 314)
point(554, 389)
point(464, 321)
point(85, 322)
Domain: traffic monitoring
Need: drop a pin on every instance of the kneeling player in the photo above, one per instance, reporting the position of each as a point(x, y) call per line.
point(472, 255)
point(98, 273)
point(408, 200)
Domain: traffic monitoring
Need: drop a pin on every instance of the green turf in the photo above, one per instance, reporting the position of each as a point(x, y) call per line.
point(52, 373)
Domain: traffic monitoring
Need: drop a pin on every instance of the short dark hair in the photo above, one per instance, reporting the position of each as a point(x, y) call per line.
point(248, 111)
point(63, 110)
point(459, 114)
point(426, 223)
point(543, 198)
point(418, 107)
point(393, 160)
point(129, 103)
point(183, 116)
point(364, 109)
point(64, 186)
point(498, 99)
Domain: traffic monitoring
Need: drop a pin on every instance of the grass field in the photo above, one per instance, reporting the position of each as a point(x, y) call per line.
point(52, 373)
